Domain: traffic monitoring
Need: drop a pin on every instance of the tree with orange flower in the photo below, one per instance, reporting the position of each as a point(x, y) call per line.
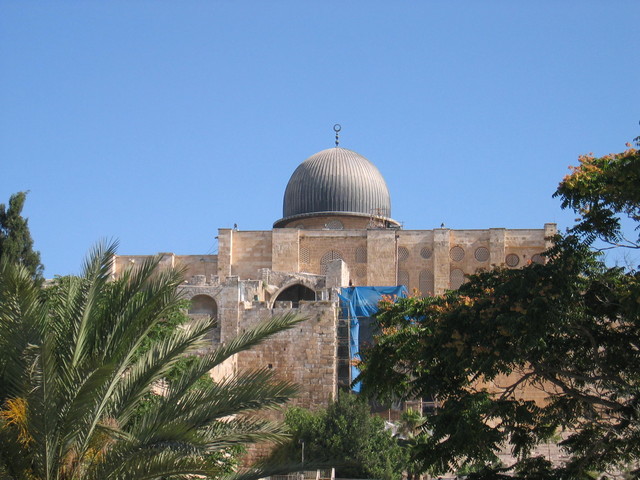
point(517, 358)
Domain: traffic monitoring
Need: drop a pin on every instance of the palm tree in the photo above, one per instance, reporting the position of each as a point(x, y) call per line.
point(411, 432)
point(411, 424)
point(74, 376)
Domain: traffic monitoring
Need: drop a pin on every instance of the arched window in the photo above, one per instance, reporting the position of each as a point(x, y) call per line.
point(328, 257)
point(205, 305)
point(305, 256)
point(426, 283)
point(403, 278)
point(456, 278)
point(403, 254)
point(334, 225)
point(295, 293)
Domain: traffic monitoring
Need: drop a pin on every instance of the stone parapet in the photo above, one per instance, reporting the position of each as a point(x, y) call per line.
point(442, 264)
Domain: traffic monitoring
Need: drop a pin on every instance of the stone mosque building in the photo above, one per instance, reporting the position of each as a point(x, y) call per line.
point(336, 231)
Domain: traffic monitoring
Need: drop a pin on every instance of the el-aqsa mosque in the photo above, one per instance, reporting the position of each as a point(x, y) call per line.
point(336, 235)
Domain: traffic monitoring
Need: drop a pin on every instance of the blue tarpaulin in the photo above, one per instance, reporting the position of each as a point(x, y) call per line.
point(361, 303)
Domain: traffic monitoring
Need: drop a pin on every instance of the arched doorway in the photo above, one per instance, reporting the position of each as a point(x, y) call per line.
point(295, 293)
point(202, 305)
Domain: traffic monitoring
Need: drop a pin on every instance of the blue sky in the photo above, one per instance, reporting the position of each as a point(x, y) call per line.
point(157, 122)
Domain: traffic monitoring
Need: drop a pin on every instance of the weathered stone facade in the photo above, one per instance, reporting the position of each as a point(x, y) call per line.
point(305, 355)
point(256, 274)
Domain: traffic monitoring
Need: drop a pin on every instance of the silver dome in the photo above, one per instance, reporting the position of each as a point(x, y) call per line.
point(336, 181)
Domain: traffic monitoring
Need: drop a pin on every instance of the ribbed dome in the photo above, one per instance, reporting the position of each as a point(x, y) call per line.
point(336, 181)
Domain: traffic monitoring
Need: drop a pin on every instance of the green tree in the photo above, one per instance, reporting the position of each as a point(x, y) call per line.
point(76, 377)
point(569, 328)
point(604, 190)
point(16, 244)
point(346, 436)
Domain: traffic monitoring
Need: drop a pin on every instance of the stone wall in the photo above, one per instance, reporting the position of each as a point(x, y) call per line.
point(285, 250)
point(382, 257)
point(305, 355)
point(225, 252)
point(416, 260)
point(251, 252)
point(193, 265)
point(319, 247)
point(432, 261)
point(206, 265)
point(426, 261)
point(330, 222)
point(537, 392)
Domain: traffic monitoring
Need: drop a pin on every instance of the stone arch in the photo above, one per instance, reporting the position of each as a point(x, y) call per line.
point(456, 278)
point(334, 224)
point(403, 254)
point(361, 255)
point(329, 256)
point(403, 278)
point(426, 283)
point(294, 293)
point(204, 305)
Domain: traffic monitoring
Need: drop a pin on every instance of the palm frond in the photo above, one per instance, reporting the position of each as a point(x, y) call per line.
point(155, 364)
point(244, 341)
point(72, 356)
point(96, 271)
point(201, 408)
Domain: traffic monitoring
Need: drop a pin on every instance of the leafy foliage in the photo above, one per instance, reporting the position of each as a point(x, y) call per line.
point(602, 190)
point(344, 435)
point(76, 377)
point(16, 244)
point(568, 330)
